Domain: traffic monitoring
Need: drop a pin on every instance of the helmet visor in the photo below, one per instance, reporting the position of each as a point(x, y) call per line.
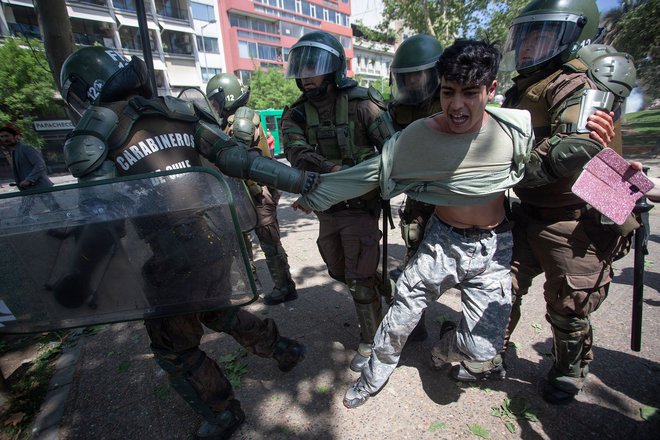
point(74, 92)
point(217, 100)
point(414, 87)
point(531, 43)
point(309, 60)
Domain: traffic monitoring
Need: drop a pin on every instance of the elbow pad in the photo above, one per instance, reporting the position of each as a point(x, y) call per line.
point(87, 148)
point(244, 126)
point(567, 156)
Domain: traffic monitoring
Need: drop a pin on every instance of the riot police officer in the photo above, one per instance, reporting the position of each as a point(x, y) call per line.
point(229, 97)
point(556, 232)
point(335, 124)
point(414, 85)
point(125, 130)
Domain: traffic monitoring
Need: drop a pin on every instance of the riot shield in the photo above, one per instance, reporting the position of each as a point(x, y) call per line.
point(247, 216)
point(122, 249)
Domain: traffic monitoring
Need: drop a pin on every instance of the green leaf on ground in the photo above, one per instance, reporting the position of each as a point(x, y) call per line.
point(437, 425)
point(537, 328)
point(123, 366)
point(323, 389)
point(234, 367)
point(513, 409)
point(649, 413)
point(162, 391)
point(479, 430)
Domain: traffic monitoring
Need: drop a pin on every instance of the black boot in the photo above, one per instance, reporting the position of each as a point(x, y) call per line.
point(288, 353)
point(225, 424)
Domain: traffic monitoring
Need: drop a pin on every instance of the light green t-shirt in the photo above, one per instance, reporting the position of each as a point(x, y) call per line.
point(436, 167)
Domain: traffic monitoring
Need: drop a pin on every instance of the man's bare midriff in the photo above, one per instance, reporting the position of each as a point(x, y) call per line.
point(485, 216)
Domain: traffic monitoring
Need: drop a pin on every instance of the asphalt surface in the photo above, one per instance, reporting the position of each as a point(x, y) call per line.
point(107, 385)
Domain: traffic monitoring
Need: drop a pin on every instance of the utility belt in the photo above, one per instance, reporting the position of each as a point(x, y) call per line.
point(475, 232)
point(562, 213)
point(372, 205)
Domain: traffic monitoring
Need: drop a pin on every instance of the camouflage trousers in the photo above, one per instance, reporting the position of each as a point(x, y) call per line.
point(478, 265)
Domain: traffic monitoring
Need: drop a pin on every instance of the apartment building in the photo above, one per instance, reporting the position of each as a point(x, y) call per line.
point(259, 33)
point(372, 63)
point(183, 35)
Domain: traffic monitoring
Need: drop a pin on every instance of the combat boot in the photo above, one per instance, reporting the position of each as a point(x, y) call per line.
point(278, 266)
point(288, 353)
point(361, 357)
point(472, 371)
point(225, 424)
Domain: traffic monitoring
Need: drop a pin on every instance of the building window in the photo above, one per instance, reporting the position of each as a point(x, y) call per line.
point(202, 12)
point(172, 8)
point(177, 43)
point(299, 6)
point(249, 49)
point(26, 23)
point(129, 37)
point(209, 45)
point(290, 5)
point(126, 5)
point(87, 32)
point(312, 11)
point(245, 76)
point(326, 14)
point(209, 72)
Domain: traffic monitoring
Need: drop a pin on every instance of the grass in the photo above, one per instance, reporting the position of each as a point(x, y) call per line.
point(647, 121)
point(641, 130)
point(29, 385)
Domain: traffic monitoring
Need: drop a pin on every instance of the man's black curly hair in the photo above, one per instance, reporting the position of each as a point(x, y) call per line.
point(469, 62)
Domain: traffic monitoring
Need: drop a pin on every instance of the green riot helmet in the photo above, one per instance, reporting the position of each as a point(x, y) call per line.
point(549, 30)
point(100, 74)
point(316, 54)
point(413, 74)
point(227, 93)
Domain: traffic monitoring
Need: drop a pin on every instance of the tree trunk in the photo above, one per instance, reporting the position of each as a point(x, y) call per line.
point(56, 31)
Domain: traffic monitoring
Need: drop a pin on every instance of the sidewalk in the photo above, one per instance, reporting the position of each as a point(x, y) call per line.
point(109, 387)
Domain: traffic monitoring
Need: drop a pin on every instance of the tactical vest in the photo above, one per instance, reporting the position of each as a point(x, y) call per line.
point(334, 140)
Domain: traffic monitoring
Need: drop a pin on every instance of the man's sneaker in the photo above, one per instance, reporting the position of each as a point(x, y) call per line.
point(361, 357)
point(225, 424)
point(288, 353)
point(280, 295)
point(555, 396)
point(356, 395)
point(461, 373)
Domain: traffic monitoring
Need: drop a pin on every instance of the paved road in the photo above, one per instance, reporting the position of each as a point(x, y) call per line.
point(109, 387)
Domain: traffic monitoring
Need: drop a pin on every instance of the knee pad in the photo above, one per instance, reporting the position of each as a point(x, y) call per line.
point(363, 291)
point(569, 336)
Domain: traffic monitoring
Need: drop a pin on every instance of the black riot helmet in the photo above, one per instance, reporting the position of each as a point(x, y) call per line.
point(316, 54)
point(413, 74)
point(227, 93)
point(549, 31)
point(100, 74)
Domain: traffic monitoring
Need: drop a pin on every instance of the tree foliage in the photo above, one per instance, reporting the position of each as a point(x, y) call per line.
point(450, 19)
point(27, 86)
point(632, 29)
point(270, 89)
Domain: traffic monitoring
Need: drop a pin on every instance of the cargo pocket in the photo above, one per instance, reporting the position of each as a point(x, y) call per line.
point(584, 293)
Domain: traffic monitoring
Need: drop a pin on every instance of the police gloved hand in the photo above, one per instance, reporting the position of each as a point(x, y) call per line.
point(310, 182)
